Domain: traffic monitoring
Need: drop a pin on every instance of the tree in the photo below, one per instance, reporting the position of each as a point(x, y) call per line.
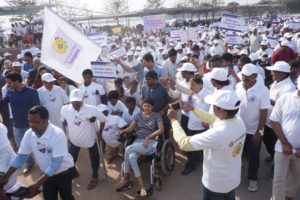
point(233, 4)
point(116, 7)
point(155, 3)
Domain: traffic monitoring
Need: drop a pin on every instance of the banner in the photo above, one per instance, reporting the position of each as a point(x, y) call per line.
point(233, 22)
point(154, 22)
point(33, 50)
point(65, 49)
point(118, 53)
point(98, 38)
point(116, 30)
point(103, 70)
point(185, 35)
point(234, 39)
point(273, 42)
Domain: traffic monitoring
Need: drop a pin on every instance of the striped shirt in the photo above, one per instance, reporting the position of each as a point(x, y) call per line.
point(146, 126)
point(53, 100)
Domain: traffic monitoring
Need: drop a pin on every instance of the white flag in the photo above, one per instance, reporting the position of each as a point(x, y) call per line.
point(65, 49)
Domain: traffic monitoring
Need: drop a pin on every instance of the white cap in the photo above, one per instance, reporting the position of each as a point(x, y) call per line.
point(172, 44)
point(225, 99)
point(6, 54)
point(220, 74)
point(20, 56)
point(253, 57)
point(17, 64)
point(280, 66)
point(130, 53)
point(76, 95)
point(244, 51)
point(188, 67)
point(48, 77)
point(164, 52)
point(249, 69)
point(178, 47)
point(284, 43)
point(132, 48)
point(216, 41)
point(282, 39)
point(288, 35)
point(264, 42)
point(138, 48)
point(234, 51)
point(184, 58)
point(102, 107)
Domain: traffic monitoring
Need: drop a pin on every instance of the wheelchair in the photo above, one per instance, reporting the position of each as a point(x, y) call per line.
point(162, 160)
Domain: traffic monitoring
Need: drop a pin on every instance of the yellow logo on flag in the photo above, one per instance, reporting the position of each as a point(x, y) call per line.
point(60, 46)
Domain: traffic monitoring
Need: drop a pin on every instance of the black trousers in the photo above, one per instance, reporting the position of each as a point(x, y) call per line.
point(193, 157)
point(270, 140)
point(60, 183)
point(184, 123)
point(94, 157)
point(252, 152)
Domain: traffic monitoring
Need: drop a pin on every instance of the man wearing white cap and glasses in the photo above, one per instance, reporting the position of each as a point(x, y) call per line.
point(80, 119)
point(221, 146)
point(292, 44)
point(216, 49)
point(131, 62)
point(285, 121)
point(53, 98)
point(282, 84)
point(254, 96)
point(264, 49)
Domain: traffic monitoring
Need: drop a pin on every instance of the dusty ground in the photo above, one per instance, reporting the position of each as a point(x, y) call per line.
point(175, 186)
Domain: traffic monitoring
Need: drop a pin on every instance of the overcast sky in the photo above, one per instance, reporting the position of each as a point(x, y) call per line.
point(100, 5)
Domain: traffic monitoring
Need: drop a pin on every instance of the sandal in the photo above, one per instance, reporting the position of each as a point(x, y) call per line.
point(124, 186)
point(92, 184)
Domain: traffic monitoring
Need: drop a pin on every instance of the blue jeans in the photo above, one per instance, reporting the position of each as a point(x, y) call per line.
point(18, 135)
point(209, 195)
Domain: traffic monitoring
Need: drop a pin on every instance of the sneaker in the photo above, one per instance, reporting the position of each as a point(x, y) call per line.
point(252, 187)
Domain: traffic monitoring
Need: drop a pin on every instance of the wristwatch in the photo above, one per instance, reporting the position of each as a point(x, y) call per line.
point(261, 132)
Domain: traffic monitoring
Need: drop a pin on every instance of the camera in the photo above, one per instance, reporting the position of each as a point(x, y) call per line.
point(175, 106)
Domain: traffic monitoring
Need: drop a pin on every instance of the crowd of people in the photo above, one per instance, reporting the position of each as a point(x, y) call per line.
point(220, 102)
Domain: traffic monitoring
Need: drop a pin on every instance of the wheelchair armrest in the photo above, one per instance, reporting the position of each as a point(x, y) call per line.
point(129, 139)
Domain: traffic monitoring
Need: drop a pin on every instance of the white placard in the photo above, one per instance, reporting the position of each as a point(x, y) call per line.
point(233, 22)
point(99, 38)
point(234, 39)
point(103, 70)
point(273, 42)
point(118, 53)
point(33, 50)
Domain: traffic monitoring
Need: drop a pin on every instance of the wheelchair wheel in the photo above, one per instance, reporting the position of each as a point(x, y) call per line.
point(167, 158)
point(158, 183)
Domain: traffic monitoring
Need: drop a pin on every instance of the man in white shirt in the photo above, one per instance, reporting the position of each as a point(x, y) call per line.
point(254, 97)
point(53, 98)
point(170, 64)
point(255, 40)
point(222, 147)
point(49, 146)
point(113, 124)
point(94, 93)
point(7, 156)
point(195, 126)
point(131, 62)
point(285, 121)
point(216, 49)
point(80, 120)
point(17, 67)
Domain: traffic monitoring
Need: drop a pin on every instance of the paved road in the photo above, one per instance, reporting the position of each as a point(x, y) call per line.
point(175, 186)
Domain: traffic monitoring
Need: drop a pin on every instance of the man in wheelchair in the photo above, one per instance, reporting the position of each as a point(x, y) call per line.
point(147, 125)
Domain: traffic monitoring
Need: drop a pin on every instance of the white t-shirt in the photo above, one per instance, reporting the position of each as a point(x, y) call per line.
point(131, 75)
point(276, 90)
point(118, 107)
point(287, 113)
point(53, 100)
point(252, 101)
point(222, 148)
point(194, 123)
point(113, 124)
point(90, 94)
point(52, 144)
point(7, 156)
point(82, 132)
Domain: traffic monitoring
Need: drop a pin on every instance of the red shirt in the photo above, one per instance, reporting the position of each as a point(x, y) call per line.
point(283, 55)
